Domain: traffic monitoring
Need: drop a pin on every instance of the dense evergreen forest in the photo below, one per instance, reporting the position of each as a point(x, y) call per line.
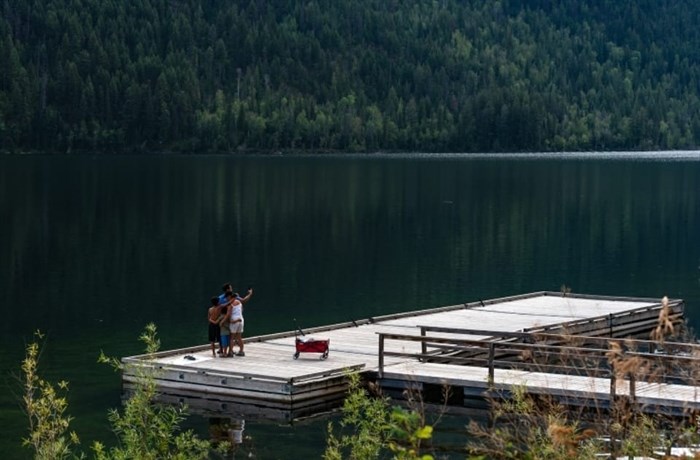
point(362, 75)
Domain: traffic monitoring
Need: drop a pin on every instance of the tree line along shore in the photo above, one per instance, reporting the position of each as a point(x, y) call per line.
point(363, 76)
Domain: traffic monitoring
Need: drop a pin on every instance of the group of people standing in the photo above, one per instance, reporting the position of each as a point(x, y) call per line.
point(226, 321)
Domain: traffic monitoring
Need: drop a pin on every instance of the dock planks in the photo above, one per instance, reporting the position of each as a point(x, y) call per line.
point(268, 376)
point(650, 397)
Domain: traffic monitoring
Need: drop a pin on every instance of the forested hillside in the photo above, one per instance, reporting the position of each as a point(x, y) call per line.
point(361, 75)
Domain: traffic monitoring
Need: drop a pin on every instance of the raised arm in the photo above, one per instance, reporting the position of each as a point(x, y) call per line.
point(247, 296)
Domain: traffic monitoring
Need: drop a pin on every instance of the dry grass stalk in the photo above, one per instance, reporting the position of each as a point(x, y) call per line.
point(624, 365)
point(664, 325)
point(566, 439)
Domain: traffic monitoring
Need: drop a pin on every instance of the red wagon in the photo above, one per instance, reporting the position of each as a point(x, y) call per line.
point(305, 344)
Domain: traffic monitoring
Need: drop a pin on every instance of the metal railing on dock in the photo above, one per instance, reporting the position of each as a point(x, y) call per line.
point(633, 361)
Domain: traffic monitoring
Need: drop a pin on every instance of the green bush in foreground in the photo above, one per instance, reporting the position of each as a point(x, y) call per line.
point(373, 429)
point(45, 407)
point(145, 430)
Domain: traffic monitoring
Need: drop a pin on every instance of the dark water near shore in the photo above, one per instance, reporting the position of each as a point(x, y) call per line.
point(93, 248)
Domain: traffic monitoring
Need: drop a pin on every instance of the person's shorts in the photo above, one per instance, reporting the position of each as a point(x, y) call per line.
point(214, 331)
point(236, 327)
point(224, 341)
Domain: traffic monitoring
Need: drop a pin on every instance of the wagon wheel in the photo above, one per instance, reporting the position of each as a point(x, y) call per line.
point(296, 355)
point(324, 355)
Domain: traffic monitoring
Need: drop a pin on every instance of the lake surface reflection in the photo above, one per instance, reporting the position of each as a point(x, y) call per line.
point(94, 247)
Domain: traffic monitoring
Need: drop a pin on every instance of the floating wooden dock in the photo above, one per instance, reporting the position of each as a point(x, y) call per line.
point(397, 351)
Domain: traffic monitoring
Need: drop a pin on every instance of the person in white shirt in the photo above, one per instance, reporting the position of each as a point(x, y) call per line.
point(235, 314)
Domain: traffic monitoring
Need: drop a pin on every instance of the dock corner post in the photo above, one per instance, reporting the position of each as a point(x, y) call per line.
point(423, 346)
point(492, 354)
point(381, 356)
point(610, 323)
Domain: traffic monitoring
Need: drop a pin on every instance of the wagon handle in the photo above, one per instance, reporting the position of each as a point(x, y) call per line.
point(298, 328)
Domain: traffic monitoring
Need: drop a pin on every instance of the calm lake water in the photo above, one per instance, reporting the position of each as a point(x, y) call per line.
point(95, 247)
